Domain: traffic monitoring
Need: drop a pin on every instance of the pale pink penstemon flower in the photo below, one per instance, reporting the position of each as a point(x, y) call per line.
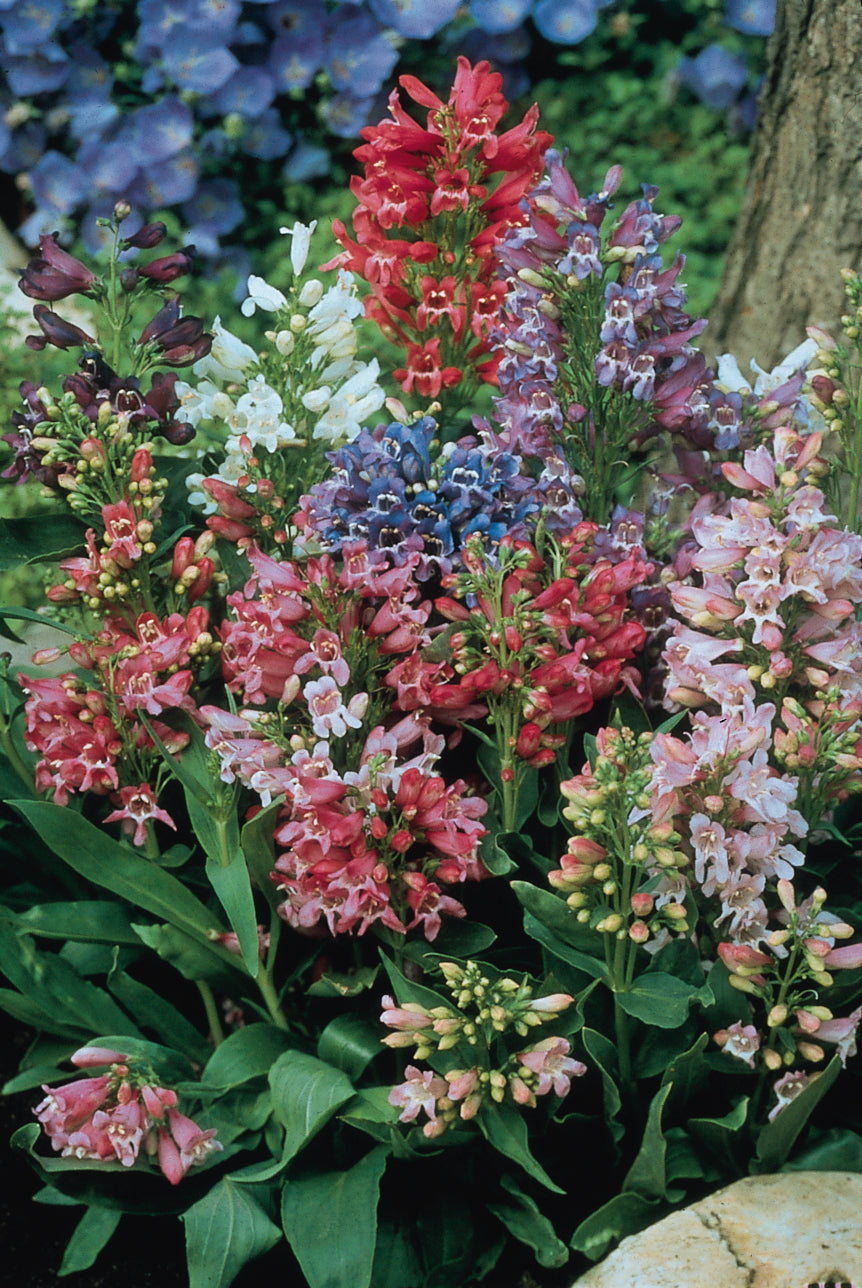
point(120, 1114)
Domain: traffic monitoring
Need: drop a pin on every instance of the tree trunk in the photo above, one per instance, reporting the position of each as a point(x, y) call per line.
point(801, 220)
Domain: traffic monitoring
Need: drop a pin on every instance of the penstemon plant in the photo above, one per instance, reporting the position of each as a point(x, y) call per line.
point(428, 812)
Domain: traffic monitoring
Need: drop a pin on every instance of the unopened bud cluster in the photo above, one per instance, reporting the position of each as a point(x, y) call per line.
point(620, 846)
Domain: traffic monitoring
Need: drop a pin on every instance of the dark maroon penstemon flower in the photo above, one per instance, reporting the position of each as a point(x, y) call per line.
point(55, 274)
point(169, 267)
point(181, 341)
point(147, 236)
point(57, 331)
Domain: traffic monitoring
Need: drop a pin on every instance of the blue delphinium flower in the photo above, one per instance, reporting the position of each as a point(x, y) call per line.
point(715, 76)
point(495, 16)
point(419, 19)
point(565, 21)
point(753, 17)
point(359, 57)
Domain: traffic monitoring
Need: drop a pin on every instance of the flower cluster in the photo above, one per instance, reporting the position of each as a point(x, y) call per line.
point(537, 639)
point(783, 979)
point(282, 408)
point(433, 203)
point(624, 845)
point(775, 618)
point(398, 490)
point(478, 1028)
point(103, 408)
point(122, 1115)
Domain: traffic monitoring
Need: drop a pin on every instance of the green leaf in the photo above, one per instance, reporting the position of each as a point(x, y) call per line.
point(258, 845)
point(305, 1094)
point(526, 1223)
point(8, 613)
point(156, 1013)
point(646, 1176)
point(494, 853)
point(778, 1137)
point(330, 1220)
point(622, 1215)
point(189, 956)
point(52, 984)
point(95, 856)
point(505, 1130)
point(722, 1138)
point(231, 882)
point(89, 1237)
point(371, 1112)
point(602, 1053)
point(86, 920)
point(661, 999)
point(39, 538)
point(211, 807)
point(837, 1150)
point(553, 912)
point(349, 984)
point(350, 1043)
point(248, 1053)
point(225, 1230)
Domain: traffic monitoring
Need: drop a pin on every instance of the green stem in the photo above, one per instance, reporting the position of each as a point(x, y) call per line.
point(213, 1017)
point(17, 761)
point(270, 996)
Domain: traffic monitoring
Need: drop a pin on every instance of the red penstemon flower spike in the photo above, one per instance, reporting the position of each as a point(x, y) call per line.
point(450, 190)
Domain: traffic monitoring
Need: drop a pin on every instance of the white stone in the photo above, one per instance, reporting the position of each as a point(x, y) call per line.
point(784, 1231)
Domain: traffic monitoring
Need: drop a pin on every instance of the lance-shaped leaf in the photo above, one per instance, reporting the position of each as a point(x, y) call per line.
point(305, 1094)
point(224, 1230)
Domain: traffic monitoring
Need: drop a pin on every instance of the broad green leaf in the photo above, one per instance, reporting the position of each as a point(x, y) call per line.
point(305, 1094)
point(553, 912)
point(98, 858)
point(722, 1138)
point(624, 1214)
point(396, 1255)
point(494, 855)
point(457, 940)
point(330, 1220)
point(522, 1218)
point(371, 1112)
point(646, 1176)
point(662, 1000)
point(837, 1150)
point(688, 1070)
point(89, 1237)
point(250, 1052)
point(557, 947)
point(350, 1043)
point(504, 1128)
point(453, 1249)
point(170, 1065)
point(86, 920)
point(778, 1137)
point(225, 1230)
point(602, 1053)
point(39, 538)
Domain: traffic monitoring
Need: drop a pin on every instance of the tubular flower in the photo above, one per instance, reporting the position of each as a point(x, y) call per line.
point(433, 202)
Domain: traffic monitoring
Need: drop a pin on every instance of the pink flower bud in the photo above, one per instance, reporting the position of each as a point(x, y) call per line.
point(91, 1057)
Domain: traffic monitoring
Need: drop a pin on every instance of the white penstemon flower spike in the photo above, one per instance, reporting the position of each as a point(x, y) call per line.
point(730, 377)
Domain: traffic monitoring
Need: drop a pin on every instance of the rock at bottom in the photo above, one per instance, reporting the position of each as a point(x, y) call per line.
point(784, 1231)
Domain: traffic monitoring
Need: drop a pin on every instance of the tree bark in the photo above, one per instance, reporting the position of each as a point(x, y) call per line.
point(801, 219)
